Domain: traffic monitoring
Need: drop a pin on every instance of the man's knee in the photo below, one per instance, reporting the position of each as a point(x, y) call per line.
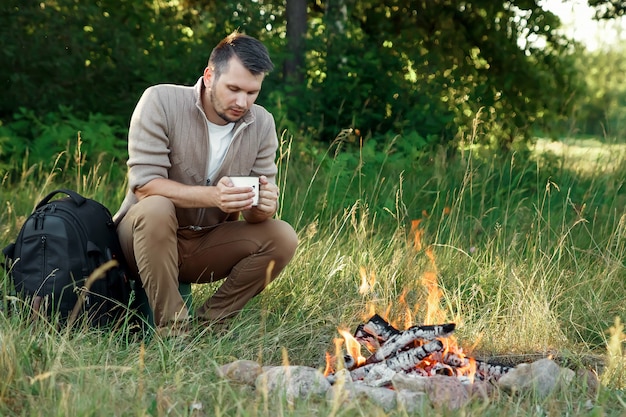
point(154, 218)
point(285, 239)
point(154, 209)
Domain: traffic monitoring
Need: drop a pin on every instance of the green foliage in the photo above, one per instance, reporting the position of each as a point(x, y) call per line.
point(94, 56)
point(58, 140)
point(433, 69)
point(385, 69)
point(608, 9)
point(602, 111)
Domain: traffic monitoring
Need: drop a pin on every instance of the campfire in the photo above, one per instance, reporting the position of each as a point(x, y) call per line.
point(413, 368)
point(420, 351)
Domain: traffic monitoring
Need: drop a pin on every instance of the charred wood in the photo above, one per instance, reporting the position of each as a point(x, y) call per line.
point(485, 371)
point(410, 337)
point(349, 361)
point(402, 362)
point(375, 332)
point(488, 372)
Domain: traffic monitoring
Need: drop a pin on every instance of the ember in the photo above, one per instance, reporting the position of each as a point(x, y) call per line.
point(425, 350)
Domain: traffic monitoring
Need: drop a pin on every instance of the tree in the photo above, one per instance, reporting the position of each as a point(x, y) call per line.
point(424, 69)
point(608, 9)
point(94, 56)
point(99, 56)
point(296, 15)
point(432, 66)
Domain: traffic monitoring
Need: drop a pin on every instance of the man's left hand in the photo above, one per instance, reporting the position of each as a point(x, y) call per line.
point(268, 202)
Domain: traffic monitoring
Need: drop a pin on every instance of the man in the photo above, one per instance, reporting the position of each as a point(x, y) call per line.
point(180, 220)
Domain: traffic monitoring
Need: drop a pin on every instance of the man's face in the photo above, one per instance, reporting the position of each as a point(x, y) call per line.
point(232, 94)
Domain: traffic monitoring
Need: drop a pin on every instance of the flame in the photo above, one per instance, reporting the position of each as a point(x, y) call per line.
point(370, 310)
point(465, 365)
point(431, 256)
point(367, 283)
point(408, 313)
point(332, 364)
point(417, 234)
point(329, 369)
point(402, 298)
point(353, 347)
point(471, 374)
point(451, 361)
point(434, 314)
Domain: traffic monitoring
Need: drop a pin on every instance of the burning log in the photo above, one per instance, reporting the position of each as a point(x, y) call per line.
point(484, 371)
point(376, 330)
point(404, 361)
point(419, 350)
point(411, 336)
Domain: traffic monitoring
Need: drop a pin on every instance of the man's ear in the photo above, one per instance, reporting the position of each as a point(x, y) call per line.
point(207, 77)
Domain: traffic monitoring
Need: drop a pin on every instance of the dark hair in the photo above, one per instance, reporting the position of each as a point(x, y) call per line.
point(250, 51)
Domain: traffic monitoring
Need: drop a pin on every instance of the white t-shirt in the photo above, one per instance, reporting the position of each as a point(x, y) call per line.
point(220, 138)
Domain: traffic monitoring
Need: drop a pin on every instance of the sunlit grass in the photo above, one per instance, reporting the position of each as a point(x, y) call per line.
point(527, 262)
point(586, 156)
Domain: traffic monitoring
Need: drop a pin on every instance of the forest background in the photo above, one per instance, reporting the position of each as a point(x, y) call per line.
point(414, 142)
point(423, 70)
point(390, 83)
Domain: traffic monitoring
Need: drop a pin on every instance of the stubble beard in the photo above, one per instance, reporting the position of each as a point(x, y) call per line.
point(215, 103)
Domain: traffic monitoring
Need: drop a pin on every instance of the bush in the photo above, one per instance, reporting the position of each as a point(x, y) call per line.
point(59, 140)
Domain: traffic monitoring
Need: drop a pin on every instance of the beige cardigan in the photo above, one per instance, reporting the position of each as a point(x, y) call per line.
point(169, 138)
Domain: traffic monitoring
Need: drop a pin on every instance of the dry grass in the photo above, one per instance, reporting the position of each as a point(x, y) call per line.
point(541, 279)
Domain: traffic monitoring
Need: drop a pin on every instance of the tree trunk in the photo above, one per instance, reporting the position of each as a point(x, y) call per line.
point(293, 69)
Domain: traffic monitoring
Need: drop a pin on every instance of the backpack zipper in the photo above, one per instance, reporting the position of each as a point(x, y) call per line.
point(43, 239)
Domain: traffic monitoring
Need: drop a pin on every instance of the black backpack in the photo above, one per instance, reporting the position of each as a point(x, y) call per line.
point(59, 246)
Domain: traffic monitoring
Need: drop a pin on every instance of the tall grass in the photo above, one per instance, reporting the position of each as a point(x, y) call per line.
point(527, 257)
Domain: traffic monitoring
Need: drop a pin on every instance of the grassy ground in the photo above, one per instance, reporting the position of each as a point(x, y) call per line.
point(527, 258)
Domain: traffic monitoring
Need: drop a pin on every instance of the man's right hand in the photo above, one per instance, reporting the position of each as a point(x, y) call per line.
point(232, 199)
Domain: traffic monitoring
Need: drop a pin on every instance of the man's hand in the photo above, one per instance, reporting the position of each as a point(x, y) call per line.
point(268, 202)
point(231, 199)
point(268, 196)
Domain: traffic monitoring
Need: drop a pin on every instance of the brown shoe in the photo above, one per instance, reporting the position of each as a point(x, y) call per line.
point(176, 329)
point(214, 327)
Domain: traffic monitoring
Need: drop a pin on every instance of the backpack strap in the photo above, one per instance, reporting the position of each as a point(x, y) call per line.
point(9, 253)
point(78, 199)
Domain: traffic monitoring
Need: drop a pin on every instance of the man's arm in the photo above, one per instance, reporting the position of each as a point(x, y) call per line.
point(223, 195)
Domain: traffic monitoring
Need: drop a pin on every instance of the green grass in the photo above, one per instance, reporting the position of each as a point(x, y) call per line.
point(528, 255)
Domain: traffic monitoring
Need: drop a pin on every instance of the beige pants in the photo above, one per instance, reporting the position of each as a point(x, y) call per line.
point(238, 252)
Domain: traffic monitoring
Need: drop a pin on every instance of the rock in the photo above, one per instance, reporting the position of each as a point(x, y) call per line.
point(379, 377)
point(446, 392)
point(382, 397)
point(294, 382)
point(241, 371)
point(414, 383)
point(413, 402)
point(342, 376)
point(541, 376)
point(589, 380)
point(483, 390)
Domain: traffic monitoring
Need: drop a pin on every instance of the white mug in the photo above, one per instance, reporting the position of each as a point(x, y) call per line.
point(248, 182)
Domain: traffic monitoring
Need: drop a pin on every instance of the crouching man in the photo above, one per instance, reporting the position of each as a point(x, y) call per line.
point(181, 220)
